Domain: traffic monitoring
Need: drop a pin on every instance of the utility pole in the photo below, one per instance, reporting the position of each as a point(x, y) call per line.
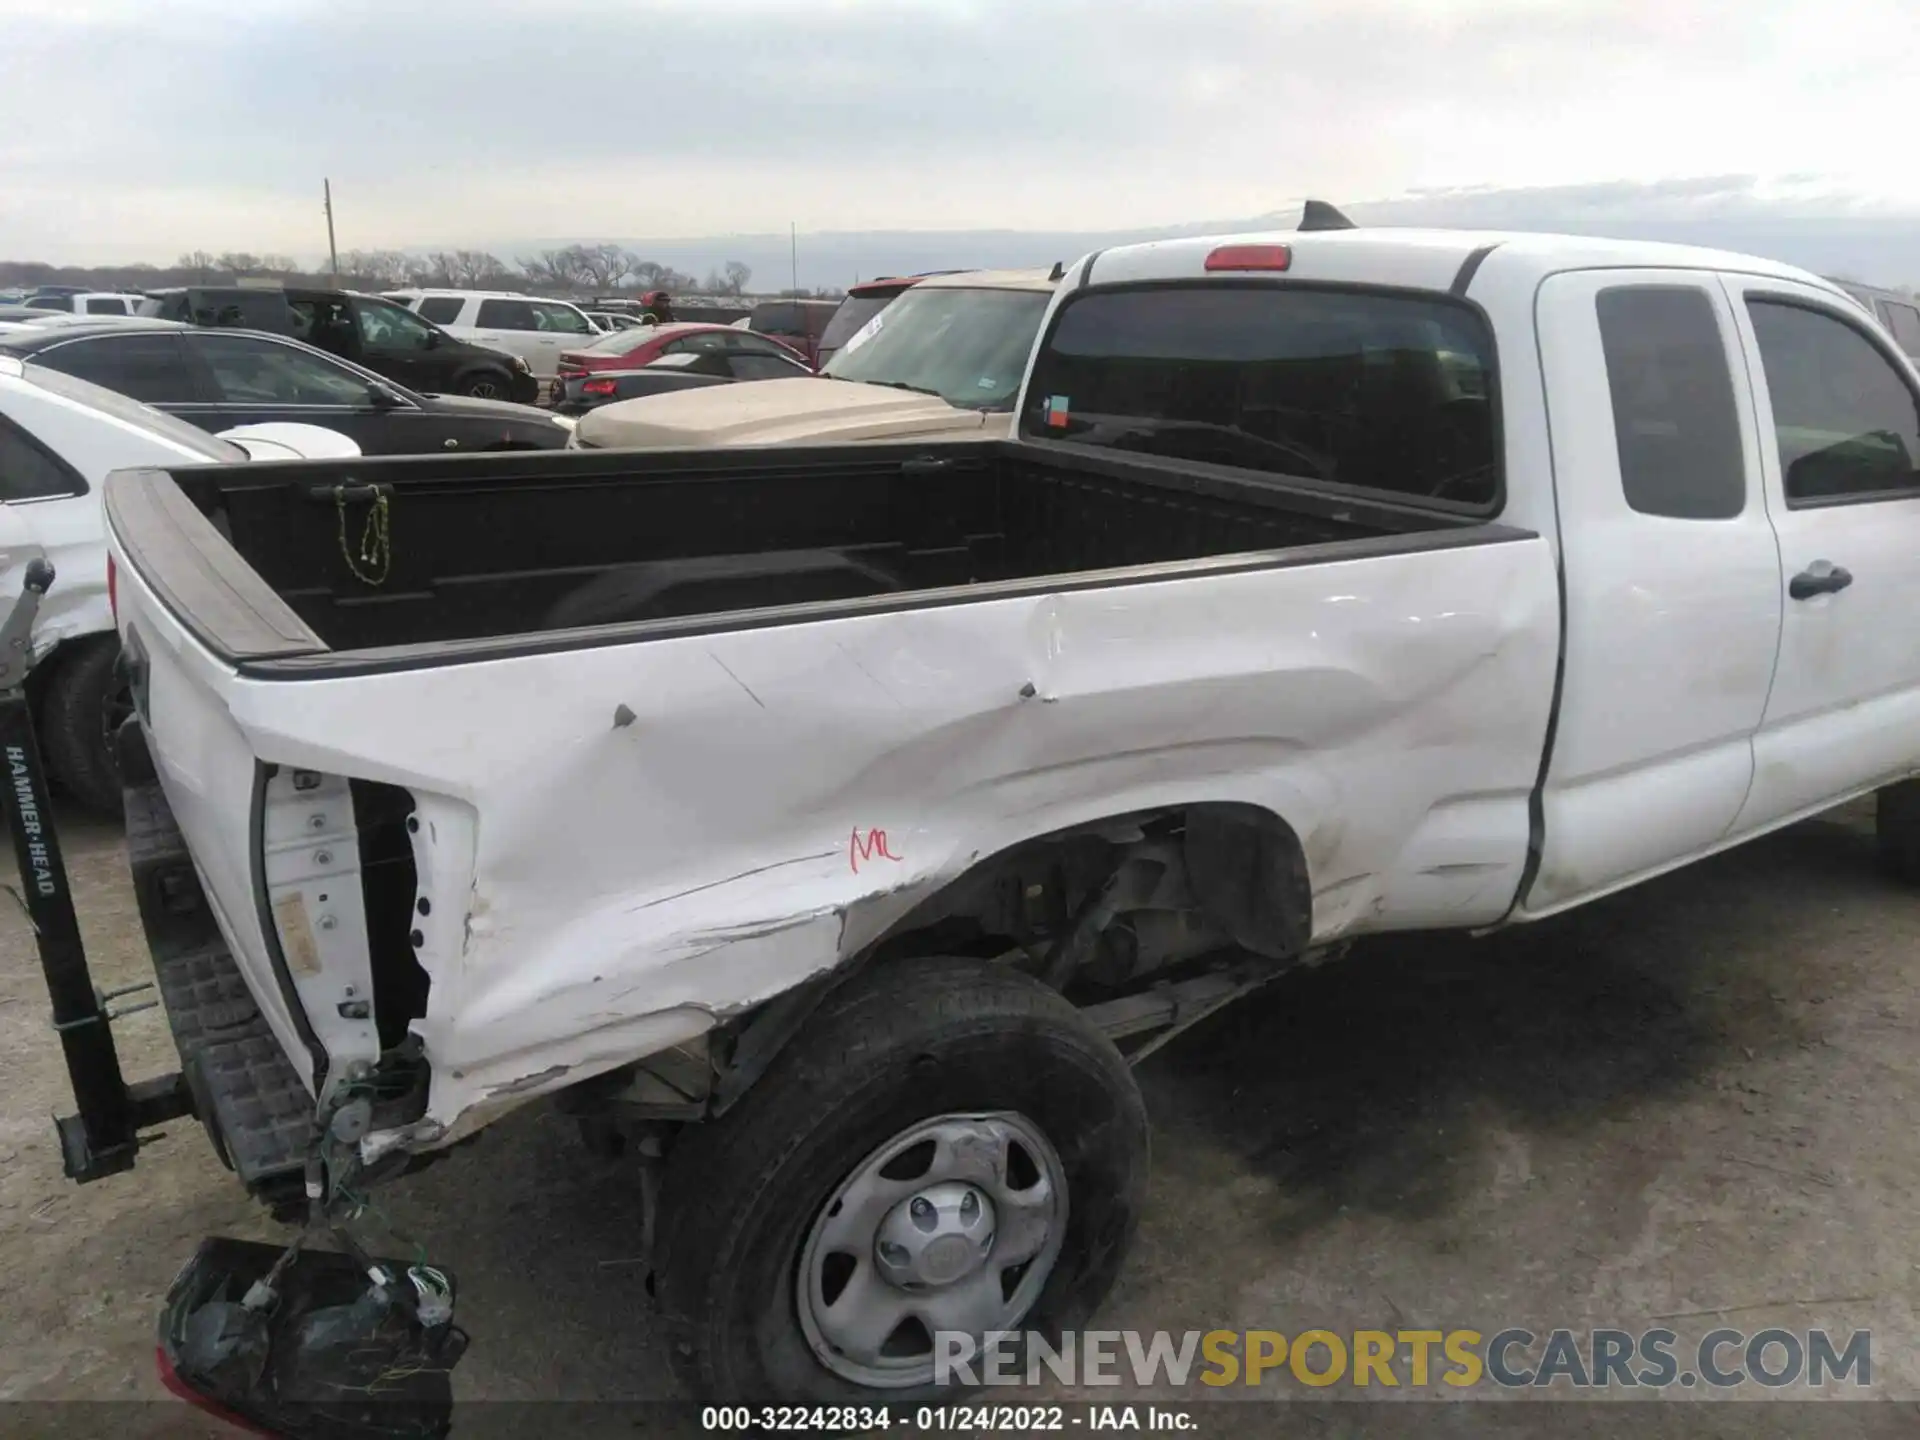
point(333, 254)
point(793, 241)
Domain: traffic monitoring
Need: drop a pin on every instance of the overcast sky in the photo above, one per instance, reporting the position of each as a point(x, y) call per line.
point(131, 129)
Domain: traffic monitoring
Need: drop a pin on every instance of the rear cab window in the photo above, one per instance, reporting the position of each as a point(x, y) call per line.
point(1368, 389)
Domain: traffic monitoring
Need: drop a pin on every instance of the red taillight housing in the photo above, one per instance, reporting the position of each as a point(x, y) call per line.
point(179, 1389)
point(599, 387)
point(113, 588)
point(1250, 257)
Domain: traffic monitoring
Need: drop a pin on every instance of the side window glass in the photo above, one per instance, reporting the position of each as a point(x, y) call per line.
point(29, 471)
point(388, 327)
point(1904, 321)
point(1844, 419)
point(560, 320)
point(442, 309)
point(506, 315)
point(149, 368)
point(1673, 411)
point(259, 372)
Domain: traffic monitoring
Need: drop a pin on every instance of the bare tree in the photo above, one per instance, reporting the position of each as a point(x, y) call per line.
point(738, 275)
point(379, 269)
point(238, 262)
point(558, 268)
point(464, 269)
point(478, 268)
point(602, 266)
point(198, 264)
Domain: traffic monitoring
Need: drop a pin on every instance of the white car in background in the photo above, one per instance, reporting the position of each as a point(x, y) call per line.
point(97, 302)
point(59, 439)
point(534, 329)
point(612, 320)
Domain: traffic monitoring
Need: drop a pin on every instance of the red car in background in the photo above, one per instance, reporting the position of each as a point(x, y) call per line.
point(633, 349)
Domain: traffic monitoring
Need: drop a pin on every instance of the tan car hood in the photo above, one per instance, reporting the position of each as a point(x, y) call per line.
point(782, 412)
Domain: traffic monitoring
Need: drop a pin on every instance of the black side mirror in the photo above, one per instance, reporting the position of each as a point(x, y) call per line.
point(383, 398)
point(433, 339)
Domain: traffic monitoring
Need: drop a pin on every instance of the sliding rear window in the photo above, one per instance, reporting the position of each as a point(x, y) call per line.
point(1382, 391)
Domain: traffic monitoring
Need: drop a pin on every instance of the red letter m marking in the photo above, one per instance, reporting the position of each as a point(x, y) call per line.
point(873, 846)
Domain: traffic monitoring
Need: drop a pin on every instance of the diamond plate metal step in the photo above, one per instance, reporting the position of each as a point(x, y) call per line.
point(249, 1095)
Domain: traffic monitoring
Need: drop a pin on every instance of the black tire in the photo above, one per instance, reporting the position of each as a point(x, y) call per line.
point(85, 702)
point(1896, 824)
point(487, 385)
point(908, 1042)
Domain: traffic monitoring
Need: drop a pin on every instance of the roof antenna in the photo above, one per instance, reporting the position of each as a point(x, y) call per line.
point(1319, 215)
point(1059, 270)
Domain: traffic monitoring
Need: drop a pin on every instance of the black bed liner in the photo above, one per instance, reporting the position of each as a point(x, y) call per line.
point(502, 555)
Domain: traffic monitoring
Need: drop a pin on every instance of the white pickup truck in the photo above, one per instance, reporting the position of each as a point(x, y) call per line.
point(818, 819)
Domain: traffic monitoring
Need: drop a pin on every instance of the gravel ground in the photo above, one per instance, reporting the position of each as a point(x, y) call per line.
point(1689, 1105)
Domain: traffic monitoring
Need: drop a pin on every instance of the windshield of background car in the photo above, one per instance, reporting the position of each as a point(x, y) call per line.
point(969, 347)
point(132, 412)
point(854, 311)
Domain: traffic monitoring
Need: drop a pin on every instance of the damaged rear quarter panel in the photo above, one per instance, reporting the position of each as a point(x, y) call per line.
point(624, 844)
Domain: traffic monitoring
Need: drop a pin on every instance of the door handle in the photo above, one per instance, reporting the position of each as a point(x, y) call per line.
point(1820, 578)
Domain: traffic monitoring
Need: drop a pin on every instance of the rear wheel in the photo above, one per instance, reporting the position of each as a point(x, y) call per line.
point(948, 1147)
point(86, 702)
point(487, 385)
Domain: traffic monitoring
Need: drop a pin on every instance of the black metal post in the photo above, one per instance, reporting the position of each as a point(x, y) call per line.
point(103, 1137)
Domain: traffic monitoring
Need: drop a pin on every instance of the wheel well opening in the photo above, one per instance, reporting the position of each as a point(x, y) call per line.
point(1121, 898)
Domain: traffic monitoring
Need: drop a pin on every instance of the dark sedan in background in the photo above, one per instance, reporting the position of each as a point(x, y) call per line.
point(218, 379)
point(683, 370)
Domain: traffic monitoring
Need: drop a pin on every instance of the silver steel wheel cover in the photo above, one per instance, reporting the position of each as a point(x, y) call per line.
point(962, 1235)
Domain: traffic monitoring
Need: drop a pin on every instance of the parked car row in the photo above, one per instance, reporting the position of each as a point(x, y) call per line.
point(365, 329)
point(225, 377)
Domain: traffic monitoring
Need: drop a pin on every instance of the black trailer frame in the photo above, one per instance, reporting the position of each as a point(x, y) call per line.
point(104, 1137)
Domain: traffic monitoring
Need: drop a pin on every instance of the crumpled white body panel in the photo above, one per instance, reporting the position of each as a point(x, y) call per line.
point(622, 844)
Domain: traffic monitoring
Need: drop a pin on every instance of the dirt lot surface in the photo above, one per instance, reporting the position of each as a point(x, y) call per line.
point(1691, 1105)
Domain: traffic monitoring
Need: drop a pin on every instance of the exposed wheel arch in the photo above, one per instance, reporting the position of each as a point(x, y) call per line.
point(1246, 865)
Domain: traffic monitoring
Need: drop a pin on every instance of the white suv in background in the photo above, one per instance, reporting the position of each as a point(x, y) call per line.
point(536, 330)
point(101, 302)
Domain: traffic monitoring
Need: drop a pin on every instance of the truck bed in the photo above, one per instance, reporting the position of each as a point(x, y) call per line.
point(625, 741)
point(488, 554)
